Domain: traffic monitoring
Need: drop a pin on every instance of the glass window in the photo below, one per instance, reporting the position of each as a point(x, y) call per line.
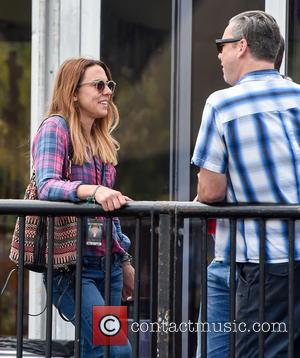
point(209, 23)
point(135, 43)
point(15, 50)
point(210, 18)
point(294, 41)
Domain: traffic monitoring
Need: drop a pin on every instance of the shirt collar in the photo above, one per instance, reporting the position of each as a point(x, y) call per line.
point(261, 75)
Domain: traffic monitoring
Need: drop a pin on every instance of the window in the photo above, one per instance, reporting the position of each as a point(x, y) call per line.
point(294, 40)
point(15, 57)
point(209, 23)
point(135, 43)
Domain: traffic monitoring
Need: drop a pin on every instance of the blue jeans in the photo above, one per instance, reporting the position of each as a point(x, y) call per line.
point(93, 281)
point(218, 298)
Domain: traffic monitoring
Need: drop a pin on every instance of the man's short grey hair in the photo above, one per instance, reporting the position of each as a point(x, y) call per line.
point(261, 32)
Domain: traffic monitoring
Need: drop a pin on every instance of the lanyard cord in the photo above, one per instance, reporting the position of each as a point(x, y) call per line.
point(103, 173)
point(91, 199)
point(103, 178)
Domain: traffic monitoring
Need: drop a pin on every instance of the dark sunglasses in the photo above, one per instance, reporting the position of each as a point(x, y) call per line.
point(221, 42)
point(100, 85)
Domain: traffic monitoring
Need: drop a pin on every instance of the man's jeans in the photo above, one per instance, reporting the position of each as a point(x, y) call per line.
point(276, 320)
point(93, 281)
point(218, 296)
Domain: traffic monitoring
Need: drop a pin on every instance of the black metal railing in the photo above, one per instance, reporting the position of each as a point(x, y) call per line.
point(166, 244)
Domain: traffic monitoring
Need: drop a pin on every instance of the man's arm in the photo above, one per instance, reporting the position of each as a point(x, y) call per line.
point(211, 186)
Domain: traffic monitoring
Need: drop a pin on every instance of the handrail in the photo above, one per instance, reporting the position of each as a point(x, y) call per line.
point(165, 265)
point(143, 208)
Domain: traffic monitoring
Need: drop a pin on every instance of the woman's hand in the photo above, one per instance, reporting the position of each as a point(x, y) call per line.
point(128, 281)
point(110, 199)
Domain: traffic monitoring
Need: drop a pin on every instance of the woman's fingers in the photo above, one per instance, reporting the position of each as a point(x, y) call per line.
point(110, 199)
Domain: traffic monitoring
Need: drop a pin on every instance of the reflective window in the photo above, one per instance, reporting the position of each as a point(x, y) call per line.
point(294, 41)
point(209, 23)
point(135, 43)
point(210, 18)
point(15, 48)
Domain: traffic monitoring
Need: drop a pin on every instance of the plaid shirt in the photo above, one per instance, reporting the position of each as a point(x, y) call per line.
point(50, 148)
point(251, 133)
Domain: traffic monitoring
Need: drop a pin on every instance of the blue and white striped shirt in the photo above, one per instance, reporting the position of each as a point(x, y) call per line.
point(251, 132)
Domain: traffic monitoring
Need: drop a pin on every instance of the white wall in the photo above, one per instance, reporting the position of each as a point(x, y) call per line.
point(277, 8)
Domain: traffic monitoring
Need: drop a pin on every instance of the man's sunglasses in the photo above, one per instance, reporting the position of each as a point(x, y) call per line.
point(100, 85)
point(221, 42)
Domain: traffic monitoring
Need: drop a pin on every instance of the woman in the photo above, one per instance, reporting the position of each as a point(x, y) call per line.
point(82, 112)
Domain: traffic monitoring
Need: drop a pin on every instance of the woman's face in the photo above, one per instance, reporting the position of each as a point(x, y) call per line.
point(92, 103)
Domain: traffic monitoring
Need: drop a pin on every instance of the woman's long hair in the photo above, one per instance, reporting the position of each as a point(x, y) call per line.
point(101, 143)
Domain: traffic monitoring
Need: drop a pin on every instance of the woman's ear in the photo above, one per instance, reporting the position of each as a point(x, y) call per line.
point(75, 95)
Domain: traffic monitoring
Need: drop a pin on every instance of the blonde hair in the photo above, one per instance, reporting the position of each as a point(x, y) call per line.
point(101, 144)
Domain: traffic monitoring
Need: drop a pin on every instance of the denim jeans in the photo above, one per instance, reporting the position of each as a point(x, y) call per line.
point(218, 296)
point(93, 281)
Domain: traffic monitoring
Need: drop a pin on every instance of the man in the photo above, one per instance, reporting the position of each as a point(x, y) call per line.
point(248, 152)
point(218, 289)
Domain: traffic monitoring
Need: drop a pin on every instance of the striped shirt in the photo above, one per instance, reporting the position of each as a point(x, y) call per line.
point(50, 148)
point(251, 133)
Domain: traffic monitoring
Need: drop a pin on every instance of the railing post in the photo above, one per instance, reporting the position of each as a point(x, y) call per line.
point(165, 280)
point(153, 281)
point(78, 286)
point(20, 291)
point(137, 283)
point(49, 287)
point(177, 284)
point(232, 296)
point(204, 286)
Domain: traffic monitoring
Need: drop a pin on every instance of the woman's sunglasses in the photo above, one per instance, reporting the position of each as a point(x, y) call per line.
point(100, 85)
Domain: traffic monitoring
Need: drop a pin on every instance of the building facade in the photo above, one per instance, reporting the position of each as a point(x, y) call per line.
point(163, 58)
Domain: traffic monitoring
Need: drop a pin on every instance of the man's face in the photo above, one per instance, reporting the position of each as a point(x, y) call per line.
point(229, 58)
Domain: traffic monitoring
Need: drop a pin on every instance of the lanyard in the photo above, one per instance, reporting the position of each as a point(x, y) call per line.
point(103, 173)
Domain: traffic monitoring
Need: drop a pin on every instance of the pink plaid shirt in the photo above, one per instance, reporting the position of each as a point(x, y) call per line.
point(50, 148)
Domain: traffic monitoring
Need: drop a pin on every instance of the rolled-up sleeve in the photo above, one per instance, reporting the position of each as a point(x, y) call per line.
point(49, 151)
point(210, 151)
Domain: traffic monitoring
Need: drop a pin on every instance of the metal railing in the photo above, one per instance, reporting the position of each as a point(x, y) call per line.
point(166, 243)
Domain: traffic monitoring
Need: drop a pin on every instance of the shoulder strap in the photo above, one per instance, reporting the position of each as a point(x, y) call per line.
point(70, 148)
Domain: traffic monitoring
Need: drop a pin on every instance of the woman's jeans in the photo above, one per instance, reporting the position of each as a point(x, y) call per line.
point(93, 282)
point(218, 297)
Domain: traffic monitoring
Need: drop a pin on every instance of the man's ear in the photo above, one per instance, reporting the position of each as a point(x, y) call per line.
point(242, 47)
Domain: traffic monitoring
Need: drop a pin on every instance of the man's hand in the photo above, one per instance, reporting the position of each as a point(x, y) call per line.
point(128, 281)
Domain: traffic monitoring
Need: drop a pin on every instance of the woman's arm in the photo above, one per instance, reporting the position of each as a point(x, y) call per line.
point(108, 198)
point(49, 151)
point(50, 148)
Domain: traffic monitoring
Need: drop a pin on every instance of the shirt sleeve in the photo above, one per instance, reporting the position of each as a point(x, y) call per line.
point(210, 150)
point(50, 148)
point(123, 239)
